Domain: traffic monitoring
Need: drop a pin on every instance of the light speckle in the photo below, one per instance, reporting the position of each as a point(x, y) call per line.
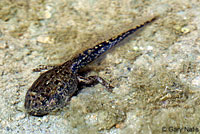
point(185, 30)
point(196, 82)
point(20, 116)
point(45, 39)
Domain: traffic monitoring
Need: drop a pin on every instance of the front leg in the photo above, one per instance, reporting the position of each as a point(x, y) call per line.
point(92, 80)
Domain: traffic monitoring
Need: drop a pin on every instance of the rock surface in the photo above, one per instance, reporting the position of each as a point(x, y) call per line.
point(155, 72)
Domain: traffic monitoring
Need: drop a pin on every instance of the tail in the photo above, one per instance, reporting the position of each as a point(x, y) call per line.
point(92, 53)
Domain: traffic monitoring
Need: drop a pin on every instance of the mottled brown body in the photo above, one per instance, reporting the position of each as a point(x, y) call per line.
point(54, 88)
point(51, 90)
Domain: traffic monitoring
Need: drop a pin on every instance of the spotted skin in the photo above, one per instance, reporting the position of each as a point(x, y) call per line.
point(54, 88)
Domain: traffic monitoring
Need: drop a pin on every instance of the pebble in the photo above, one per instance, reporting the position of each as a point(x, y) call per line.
point(196, 81)
point(20, 116)
point(45, 39)
point(185, 30)
point(3, 45)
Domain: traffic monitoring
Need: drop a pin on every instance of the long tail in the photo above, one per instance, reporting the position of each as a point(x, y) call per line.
point(92, 53)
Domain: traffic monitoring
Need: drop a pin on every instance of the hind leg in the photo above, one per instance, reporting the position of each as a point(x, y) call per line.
point(92, 80)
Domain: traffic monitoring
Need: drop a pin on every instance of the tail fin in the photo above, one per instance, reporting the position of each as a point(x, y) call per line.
point(92, 53)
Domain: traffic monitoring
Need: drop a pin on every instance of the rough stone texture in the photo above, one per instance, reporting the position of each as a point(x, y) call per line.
point(156, 72)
